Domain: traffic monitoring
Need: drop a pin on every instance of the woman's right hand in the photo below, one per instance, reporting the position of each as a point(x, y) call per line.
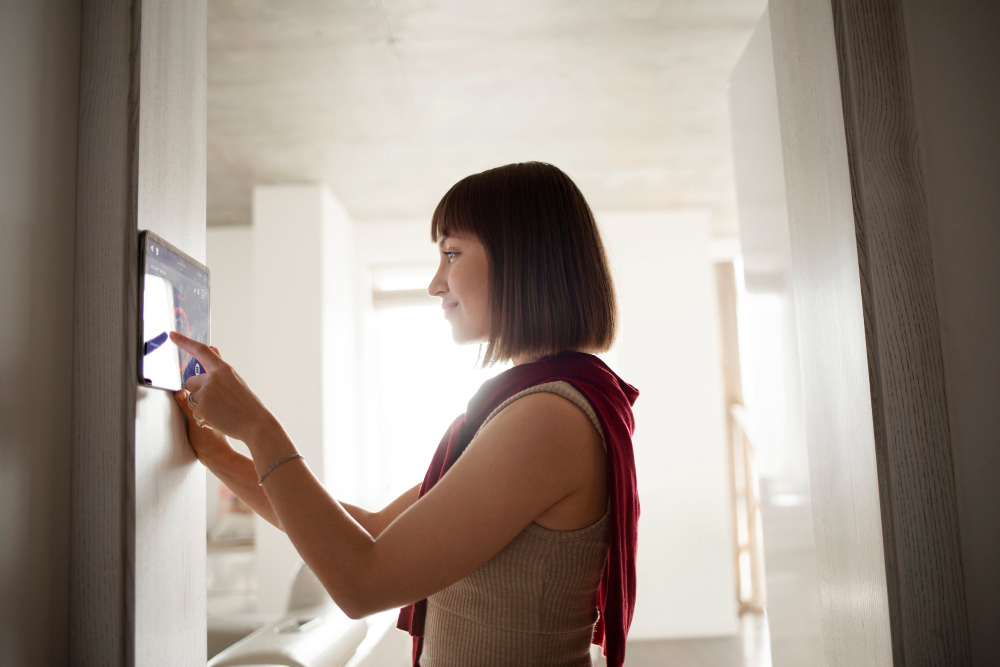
point(209, 444)
point(222, 398)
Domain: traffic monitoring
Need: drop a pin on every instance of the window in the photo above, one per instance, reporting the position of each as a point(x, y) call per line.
point(424, 381)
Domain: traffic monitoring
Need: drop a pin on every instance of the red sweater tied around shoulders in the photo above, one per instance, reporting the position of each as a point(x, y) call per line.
point(612, 399)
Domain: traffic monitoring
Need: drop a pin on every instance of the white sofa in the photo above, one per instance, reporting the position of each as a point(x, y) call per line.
point(313, 632)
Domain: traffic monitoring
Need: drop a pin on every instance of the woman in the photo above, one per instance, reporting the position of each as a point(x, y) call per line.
point(524, 552)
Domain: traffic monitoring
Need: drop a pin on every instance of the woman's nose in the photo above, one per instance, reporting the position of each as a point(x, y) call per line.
point(438, 285)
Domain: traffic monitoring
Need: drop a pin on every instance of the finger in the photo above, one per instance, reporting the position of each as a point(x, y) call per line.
point(192, 407)
point(195, 413)
point(193, 420)
point(203, 353)
point(195, 382)
point(182, 401)
point(198, 416)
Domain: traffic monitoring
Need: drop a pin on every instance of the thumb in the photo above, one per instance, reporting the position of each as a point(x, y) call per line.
point(182, 400)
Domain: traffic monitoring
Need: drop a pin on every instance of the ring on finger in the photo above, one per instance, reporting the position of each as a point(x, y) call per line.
point(193, 403)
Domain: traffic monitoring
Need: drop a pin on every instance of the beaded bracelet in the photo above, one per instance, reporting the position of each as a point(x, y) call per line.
point(260, 482)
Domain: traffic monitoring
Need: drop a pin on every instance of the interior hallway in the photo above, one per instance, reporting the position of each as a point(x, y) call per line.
point(104, 503)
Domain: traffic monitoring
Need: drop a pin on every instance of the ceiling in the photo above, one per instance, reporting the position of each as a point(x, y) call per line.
point(392, 101)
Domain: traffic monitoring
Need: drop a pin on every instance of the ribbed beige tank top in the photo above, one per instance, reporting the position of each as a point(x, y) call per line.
point(534, 603)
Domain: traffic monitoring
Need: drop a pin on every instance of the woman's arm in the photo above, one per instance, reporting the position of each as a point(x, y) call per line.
point(237, 472)
point(523, 462)
point(376, 522)
point(527, 459)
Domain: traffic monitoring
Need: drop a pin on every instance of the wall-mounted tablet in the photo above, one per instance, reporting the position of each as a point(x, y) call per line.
point(173, 296)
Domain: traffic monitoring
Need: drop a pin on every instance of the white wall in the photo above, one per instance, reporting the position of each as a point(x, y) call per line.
point(229, 252)
point(770, 361)
point(402, 243)
point(39, 71)
point(283, 315)
point(668, 347)
point(168, 618)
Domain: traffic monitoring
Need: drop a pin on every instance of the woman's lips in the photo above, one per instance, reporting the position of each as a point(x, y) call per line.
point(449, 307)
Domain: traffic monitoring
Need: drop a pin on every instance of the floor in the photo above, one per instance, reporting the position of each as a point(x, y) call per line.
point(750, 648)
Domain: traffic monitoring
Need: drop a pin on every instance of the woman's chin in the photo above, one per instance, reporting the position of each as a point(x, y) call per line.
point(463, 337)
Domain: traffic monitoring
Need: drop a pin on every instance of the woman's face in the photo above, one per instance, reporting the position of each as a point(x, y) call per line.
point(462, 282)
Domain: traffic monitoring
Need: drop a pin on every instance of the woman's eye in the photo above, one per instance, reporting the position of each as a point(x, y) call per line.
point(450, 254)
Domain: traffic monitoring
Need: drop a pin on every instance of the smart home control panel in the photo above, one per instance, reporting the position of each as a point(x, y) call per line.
point(173, 296)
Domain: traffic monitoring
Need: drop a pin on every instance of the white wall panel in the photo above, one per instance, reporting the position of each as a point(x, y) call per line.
point(668, 347)
point(169, 485)
point(283, 315)
point(769, 356)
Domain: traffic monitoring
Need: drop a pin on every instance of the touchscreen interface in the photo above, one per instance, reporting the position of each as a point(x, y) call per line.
point(174, 298)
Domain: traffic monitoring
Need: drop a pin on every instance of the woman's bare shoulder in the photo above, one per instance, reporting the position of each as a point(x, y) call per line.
point(545, 418)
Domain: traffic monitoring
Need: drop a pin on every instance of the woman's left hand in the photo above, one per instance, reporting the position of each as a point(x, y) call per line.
point(220, 396)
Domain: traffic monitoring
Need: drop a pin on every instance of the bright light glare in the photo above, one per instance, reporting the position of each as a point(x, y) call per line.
point(398, 283)
point(425, 380)
point(788, 499)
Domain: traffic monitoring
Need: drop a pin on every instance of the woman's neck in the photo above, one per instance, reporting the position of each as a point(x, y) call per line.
point(525, 359)
point(530, 357)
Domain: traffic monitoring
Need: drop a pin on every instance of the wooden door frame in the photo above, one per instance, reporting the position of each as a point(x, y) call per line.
point(891, 587)
point(137, 546)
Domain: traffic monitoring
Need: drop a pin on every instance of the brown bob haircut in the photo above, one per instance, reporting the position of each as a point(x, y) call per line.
point(550, 288)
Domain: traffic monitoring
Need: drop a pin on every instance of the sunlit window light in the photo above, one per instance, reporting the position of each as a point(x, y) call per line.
point(425, 380)
point(405, 278)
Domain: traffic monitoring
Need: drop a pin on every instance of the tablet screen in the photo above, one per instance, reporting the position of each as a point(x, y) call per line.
point(175, 297)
